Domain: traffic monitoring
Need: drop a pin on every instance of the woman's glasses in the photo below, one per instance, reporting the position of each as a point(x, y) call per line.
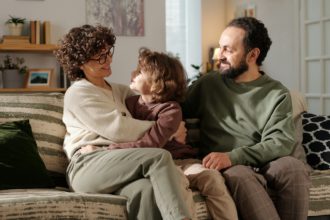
point(103, 57)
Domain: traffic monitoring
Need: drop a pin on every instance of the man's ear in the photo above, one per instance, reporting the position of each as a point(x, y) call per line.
point(253, 55)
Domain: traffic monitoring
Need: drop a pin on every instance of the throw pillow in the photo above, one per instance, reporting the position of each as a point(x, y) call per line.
point(316, 140)
point(20, 163)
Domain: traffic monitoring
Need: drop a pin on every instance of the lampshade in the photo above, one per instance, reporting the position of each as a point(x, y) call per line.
point(216, 53)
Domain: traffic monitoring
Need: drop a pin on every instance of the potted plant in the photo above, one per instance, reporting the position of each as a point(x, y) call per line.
point(15, 25)
point(13, 72)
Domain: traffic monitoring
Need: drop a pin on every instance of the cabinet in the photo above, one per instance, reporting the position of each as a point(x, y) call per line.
point(29, 48)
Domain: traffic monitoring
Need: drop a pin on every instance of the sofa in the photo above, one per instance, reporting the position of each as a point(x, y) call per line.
point(45, 194)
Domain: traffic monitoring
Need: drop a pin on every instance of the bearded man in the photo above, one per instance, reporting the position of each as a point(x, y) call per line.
point(247, 130)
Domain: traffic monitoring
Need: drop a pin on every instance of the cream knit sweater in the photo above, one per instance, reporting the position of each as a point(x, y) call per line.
point(97, 116)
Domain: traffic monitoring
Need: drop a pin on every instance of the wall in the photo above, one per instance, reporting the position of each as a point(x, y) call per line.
point(213, 23)
point(281, 19)
point(65, 14)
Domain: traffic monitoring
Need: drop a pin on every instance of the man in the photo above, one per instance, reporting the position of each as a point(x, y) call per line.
point(247, 129)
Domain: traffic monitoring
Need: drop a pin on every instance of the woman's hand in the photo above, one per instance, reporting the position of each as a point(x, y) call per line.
point(181, 134)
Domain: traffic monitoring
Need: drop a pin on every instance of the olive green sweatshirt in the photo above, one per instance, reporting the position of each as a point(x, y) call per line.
point(251, 121)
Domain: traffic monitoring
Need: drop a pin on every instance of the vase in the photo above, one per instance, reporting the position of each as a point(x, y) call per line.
point(12, 79)
point(15, 29)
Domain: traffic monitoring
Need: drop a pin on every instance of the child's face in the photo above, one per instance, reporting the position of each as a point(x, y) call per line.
point(141, 83)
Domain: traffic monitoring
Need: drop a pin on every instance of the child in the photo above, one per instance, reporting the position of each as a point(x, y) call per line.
point(160, 80)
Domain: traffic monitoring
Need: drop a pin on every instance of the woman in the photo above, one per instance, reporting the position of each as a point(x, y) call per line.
point(95, 114)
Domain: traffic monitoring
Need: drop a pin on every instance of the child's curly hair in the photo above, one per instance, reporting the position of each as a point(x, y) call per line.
point(168, 77)
point(79, 45)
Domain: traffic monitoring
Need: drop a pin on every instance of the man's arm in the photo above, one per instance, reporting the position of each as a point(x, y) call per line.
point(277, 140)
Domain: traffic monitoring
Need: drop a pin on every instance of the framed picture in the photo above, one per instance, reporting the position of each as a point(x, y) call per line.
point(125, 17)
point(37, 78)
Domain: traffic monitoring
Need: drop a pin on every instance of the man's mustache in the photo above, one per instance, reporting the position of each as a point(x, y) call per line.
point(224, 62)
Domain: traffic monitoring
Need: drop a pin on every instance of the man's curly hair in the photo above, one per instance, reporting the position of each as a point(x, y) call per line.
point(168, 77)
point(256, 35)
point(79, 45)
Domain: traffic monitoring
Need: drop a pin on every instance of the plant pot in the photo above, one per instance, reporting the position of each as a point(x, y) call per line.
point(12, 79)
point(15, 29)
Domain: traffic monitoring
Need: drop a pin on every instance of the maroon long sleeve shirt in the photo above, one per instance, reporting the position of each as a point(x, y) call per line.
point(167, 117)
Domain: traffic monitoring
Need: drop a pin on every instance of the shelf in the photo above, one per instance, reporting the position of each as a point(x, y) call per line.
point(2, 90)
point(38, 48)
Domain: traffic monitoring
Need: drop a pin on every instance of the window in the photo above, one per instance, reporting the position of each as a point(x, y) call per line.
point(183, 32)
point(315, 47)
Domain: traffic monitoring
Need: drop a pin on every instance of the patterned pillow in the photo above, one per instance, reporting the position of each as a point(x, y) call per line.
point(316, 140)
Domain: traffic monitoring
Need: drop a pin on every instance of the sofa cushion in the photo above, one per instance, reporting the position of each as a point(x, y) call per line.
point(20, 163)
point(56, 204)
point(317, 140)
point(60, 204)
point(45, 111)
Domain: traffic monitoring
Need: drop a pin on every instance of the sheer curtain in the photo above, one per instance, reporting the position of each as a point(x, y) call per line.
point(183, 32)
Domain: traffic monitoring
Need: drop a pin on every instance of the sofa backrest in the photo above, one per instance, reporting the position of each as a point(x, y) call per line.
point(44, 111)
point(299, 106)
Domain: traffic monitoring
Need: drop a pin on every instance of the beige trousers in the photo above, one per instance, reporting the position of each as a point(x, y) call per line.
point(212, 185)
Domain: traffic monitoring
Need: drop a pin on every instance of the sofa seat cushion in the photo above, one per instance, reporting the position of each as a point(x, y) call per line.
point(319, 197)
point(57, 204)
point(61, 204)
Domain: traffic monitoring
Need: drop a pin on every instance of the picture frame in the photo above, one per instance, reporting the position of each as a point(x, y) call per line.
point(38, 78)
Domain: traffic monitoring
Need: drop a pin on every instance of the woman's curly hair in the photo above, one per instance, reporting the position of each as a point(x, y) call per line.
point(79, 45)
point(168, 77)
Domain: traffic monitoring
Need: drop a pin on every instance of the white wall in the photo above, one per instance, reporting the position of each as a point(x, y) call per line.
point(281, 20)
point(65, 14)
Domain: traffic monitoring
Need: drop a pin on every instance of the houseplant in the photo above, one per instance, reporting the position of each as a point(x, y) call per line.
point(13, 72)
point(15, 25)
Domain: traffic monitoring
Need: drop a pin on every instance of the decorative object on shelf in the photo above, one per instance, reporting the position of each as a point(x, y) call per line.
point(125, 17)
point(15, 25)
point(215, 58)
point(39, 78)
point(196, 76)
point(13, 72)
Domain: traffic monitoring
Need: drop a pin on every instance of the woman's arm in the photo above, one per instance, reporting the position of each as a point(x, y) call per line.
point(168, 119)
point(94, 111)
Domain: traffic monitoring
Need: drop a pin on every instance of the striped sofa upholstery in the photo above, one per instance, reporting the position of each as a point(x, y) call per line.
point(44, 110)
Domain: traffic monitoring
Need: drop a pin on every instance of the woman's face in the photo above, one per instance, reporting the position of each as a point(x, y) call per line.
point(99, 65)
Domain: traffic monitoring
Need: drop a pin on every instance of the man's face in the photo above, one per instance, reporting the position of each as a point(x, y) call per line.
point(232, 54)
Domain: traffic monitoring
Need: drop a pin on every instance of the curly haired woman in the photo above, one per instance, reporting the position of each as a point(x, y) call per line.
point(95, 114)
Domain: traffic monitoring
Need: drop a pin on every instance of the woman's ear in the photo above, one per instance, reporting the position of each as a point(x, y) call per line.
point(253, 55)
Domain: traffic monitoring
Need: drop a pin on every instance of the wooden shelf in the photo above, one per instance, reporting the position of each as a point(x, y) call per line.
point(2, 90)
point(38, 48)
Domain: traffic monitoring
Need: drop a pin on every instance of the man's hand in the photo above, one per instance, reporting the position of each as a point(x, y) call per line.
point(181, 134)
point(216, 160)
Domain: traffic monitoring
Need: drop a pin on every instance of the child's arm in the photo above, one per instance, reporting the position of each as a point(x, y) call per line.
point(169, 116)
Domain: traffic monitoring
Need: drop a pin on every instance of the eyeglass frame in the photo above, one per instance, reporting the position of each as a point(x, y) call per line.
point(103, 57)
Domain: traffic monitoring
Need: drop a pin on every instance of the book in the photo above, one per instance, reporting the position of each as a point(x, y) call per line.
point(37, 23)
point(11, 39)
point(46, 32)
point(32, 32)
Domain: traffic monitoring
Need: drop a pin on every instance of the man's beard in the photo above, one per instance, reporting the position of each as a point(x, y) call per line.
point(233, 72)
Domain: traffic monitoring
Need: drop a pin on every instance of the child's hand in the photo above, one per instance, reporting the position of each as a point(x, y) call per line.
point(181, 134)
point(88, 148)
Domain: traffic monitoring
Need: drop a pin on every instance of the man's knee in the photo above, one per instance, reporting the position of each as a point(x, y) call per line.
point(288, 168)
